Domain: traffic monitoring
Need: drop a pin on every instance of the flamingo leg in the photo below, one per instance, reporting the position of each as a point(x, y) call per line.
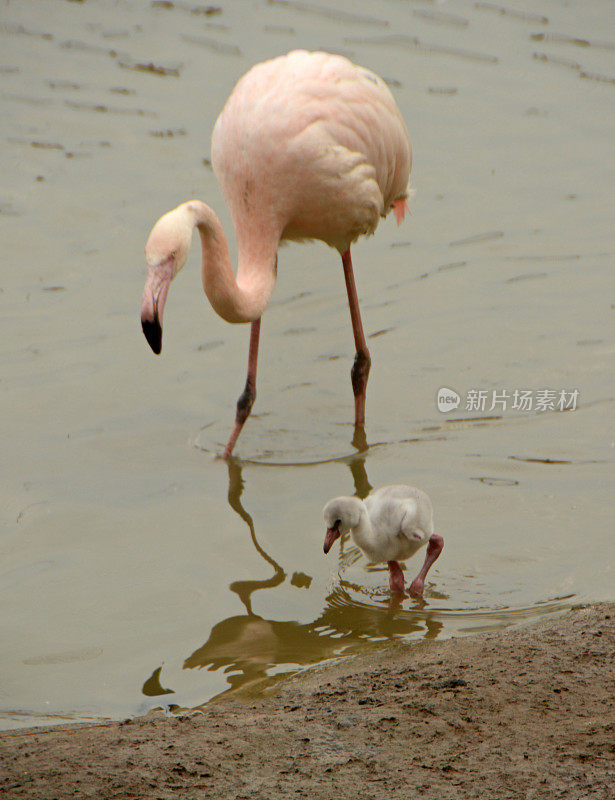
point(362, 360)
point(434, 548)
point(248, 396)
point(396, 577)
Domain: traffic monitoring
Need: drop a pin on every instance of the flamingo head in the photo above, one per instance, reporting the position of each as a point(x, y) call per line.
point(341, 514)
point(166, 252)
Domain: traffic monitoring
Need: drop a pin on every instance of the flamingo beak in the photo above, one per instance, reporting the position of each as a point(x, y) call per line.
point(331, 535)
point(153, 333)
point(152, 306)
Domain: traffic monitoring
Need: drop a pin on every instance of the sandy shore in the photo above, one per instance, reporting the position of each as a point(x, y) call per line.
point(524, 714)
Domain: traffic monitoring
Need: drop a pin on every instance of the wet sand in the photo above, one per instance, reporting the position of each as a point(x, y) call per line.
point(522, 714)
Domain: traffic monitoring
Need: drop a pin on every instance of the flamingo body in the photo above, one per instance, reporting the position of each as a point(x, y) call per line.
point(390, 525)
point(308, 146)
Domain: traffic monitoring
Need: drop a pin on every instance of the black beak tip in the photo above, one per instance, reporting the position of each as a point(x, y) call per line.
point(153, 333)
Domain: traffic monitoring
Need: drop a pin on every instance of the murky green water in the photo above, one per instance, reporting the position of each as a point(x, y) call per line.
point(139, 570)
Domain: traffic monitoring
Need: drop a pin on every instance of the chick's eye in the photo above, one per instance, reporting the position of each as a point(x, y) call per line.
point(338, 522)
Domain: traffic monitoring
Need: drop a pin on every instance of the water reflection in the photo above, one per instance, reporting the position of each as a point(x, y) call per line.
point(244, 589)
point(152, 686)
point(247, 646)
point(362, 486)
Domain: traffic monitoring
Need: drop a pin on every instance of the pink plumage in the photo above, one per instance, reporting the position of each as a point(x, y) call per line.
point(308, 146)
point(400, 209)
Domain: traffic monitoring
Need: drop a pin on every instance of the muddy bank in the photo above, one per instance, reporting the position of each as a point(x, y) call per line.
point(524, 714)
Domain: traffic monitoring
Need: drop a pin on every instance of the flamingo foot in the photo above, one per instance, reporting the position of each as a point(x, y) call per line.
point(434, 548)
point(396, 577)
point(244, 406)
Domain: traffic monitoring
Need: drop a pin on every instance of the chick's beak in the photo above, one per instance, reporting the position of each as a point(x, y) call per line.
point(331, 535)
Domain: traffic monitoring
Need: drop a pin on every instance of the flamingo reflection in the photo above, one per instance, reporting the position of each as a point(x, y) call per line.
point(245, 589)
point(247, 647)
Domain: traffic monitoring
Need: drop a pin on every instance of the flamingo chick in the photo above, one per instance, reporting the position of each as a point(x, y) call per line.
point(390, 525)
point(308, 146)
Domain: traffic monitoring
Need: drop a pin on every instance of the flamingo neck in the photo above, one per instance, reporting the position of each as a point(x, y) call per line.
point(363, 533)
point(245, 297)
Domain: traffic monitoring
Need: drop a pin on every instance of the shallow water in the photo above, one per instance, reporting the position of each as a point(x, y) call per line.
point(140, 570)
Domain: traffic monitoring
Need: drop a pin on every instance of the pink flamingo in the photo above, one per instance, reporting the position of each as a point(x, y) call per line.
point(308, 146)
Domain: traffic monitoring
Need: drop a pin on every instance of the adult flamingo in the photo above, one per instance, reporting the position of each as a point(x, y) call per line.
point(308, 146)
